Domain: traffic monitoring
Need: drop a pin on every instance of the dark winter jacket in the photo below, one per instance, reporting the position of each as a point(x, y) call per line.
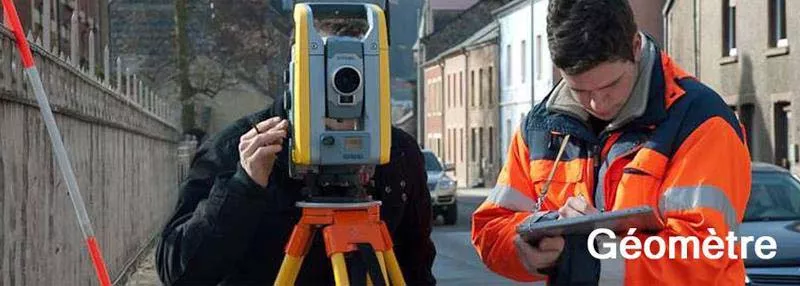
point(227, 230)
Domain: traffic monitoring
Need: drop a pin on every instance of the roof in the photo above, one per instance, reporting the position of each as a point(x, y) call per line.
point(461, 28)
point(510, 7)
point(486, 34)
point(766, 167)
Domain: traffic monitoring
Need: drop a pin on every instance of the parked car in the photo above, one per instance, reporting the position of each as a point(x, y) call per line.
point(442, 188)
point(773, 210)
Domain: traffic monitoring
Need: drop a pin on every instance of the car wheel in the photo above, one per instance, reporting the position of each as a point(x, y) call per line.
point(451, 215)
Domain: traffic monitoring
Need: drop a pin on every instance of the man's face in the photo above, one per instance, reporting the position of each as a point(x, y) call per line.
point(604, 89)
point(341, 124)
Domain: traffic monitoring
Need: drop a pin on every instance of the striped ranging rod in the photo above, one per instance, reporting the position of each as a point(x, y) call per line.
point(58, 145)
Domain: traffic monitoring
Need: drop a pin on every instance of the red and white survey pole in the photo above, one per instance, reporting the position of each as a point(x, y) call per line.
point(58, 145)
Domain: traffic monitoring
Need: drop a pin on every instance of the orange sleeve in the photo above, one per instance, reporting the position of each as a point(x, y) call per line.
point(495, 222)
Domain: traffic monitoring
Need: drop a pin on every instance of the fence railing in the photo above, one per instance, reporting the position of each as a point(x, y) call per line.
point(124, 146)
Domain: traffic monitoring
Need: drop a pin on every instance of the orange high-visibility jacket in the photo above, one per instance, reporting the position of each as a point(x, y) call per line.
point(685, 156)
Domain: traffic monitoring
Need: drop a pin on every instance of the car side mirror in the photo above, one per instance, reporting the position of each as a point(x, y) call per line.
point(449, 167)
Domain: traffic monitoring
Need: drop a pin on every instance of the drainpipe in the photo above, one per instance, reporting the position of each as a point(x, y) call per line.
point(467, 125)
point(420, 106)
point(530, 53)
point(442, 108)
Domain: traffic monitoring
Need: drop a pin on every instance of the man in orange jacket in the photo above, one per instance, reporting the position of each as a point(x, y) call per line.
point(636, 130)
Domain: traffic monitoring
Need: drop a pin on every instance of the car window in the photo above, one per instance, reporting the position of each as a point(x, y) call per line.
point(432, 163)
point(773, 196)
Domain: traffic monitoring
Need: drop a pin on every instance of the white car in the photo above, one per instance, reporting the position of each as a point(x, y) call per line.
point(442, 188)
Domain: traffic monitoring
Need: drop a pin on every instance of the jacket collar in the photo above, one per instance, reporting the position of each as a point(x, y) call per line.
point(644, 108)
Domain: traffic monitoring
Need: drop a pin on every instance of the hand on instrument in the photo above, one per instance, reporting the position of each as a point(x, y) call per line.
point(259, 147)
point(575, 207)
point(542, 256)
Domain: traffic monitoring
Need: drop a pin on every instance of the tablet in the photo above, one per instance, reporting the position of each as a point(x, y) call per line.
point(643, 218)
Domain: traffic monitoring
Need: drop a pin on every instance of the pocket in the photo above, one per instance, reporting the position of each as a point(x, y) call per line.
point(567, 171)
point(641, 181)
point(567, 180)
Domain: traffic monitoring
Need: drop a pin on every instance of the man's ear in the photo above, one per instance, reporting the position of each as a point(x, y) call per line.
point(637, 47)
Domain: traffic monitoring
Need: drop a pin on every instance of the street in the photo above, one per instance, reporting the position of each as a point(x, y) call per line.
point(457, 263)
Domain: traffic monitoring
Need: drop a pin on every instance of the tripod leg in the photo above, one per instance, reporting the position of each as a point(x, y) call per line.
point(296, 250)
point(394, 268)
point(339, 269)
point(382, 262)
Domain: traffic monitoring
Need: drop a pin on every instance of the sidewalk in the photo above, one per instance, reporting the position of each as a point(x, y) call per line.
point(476, 192)
point(145, 274)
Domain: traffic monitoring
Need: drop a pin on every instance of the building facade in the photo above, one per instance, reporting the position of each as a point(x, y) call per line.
point(445, 24)
point(455, 115)
point(434, 107)
point(747, 58)
point(516, 90)
point(462, 108)
point(649, 18)
point(482, 114)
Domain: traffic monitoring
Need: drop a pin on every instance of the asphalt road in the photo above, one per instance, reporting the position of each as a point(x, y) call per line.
point(457, 263)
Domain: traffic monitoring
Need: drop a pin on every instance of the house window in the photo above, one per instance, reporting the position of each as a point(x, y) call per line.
point(522, 61)
point(491, 85)
point(439, 147)
point(746, 118)
point(729, 28)
point(472, 92)
point(508, 65)
point(447, 92)
point(781, 117)
point(461, 88)
point(491, 144)
point(454, 142)
point(538, 59)
point(472, 147)
point(777, 23)
point(461, 144)
point(480, 87)
point(480, 141)
point(452, 88)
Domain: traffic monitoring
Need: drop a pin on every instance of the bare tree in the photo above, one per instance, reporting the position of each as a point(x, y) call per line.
point(243, 43)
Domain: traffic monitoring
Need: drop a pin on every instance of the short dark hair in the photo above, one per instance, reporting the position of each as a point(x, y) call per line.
point(585, 33)
point(350, 27)
point(326, 27)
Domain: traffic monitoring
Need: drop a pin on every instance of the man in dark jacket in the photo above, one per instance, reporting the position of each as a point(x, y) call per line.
point(229, 229)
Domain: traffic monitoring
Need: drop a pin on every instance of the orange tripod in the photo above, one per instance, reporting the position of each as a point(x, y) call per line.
point(346, 227)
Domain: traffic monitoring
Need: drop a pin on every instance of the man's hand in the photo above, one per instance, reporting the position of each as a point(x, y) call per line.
point(259, 147)
point(575, 207)
point(540, 257)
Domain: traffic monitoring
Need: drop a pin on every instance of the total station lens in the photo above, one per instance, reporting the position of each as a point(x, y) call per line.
point(346, 80)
